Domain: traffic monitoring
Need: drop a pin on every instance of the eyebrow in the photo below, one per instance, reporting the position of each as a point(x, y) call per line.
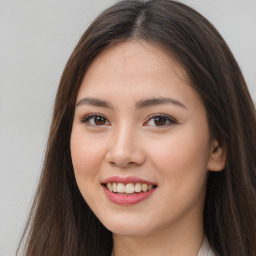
point(139, 104)
point(159, 101)
point(94, 102)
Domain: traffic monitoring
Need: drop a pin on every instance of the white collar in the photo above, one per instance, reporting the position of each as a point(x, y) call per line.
point(206, 249)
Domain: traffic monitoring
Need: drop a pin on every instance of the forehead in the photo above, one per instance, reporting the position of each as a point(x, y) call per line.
point(132, 63)
point(135, 55)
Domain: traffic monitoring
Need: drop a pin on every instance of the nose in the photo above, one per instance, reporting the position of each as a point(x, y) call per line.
point(125, 149)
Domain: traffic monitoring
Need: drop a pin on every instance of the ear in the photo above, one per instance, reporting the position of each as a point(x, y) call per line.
point(217, 158)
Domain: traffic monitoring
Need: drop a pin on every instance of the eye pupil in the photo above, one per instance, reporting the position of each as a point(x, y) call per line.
point(159, 121)
point(99, 120)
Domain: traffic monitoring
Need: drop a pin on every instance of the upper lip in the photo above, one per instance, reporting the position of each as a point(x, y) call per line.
point(126, 180)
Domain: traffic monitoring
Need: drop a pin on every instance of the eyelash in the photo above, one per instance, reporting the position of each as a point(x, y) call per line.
point(169, 120)
point(88, 117)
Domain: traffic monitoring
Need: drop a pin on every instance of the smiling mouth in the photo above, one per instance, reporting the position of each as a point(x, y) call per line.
point(128, 189)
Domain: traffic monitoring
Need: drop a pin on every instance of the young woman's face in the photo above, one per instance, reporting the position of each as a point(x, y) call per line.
point(137, 121)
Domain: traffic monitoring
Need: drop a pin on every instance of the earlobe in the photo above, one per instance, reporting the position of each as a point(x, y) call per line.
point(217, 158)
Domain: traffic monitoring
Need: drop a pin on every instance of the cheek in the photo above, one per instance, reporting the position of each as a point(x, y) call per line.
point(184, 153)
point(86, 154)
point(85, 151)
point(181, 164)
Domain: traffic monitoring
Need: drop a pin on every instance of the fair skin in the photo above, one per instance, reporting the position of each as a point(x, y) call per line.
point(165, 142)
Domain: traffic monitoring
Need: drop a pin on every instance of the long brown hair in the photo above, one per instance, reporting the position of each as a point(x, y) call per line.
point(61, 223)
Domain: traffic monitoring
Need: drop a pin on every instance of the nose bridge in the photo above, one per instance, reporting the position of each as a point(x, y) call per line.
point(124, 135)
point(125, 148)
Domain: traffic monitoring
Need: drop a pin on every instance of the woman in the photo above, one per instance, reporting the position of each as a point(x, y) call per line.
point(153, 132)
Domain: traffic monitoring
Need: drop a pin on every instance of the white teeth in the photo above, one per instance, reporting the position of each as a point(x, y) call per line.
point(129, 188)
point(114, 187)
point(144, 187)
point(120, 188)
point(150, 187)
point(137, 187)
point(110, 187)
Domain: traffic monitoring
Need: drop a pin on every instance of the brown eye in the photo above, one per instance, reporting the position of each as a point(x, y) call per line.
point(95, 120)
point(99, 120)
point(159, 121)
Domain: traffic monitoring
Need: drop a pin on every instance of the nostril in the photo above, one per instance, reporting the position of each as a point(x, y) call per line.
point(132, 164)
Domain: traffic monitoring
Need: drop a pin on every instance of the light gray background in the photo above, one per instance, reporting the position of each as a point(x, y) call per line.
point(37, 37)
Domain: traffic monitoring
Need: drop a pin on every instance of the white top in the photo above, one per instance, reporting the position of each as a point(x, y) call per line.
point(205, 249)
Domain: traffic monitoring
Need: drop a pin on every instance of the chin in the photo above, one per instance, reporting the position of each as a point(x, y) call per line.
point(129, 231)
point(128, 227)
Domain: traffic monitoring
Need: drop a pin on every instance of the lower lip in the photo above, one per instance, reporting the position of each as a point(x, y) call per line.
point(127, 199)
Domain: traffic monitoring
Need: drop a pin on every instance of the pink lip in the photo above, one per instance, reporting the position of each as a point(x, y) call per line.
point(123, 199)
point(126, 180)
point(126, 199)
